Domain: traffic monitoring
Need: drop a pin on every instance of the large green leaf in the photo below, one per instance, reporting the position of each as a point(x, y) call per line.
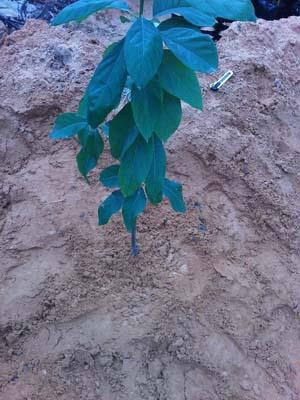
point(143, 51)
point(106, 86)
point(146, 106)
point(132, 207)
point(85, 162)
point(194, 49)
point(204, 12)
point(173, 191)
point(67, 125)
point(109, 176)
point(135, 165)
point(111, 205)
point(122, 132)
point(82, 9)
point(190, 10)
point(236, 10)
point(169, 118)
point(156, 176)
point(179, 80)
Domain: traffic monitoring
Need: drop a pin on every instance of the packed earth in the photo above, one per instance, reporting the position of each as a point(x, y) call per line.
point(210, 308)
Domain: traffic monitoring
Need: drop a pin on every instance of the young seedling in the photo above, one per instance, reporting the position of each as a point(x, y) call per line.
point(156, 64)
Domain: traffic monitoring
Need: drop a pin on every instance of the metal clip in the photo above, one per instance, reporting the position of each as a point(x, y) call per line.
point(220, 82)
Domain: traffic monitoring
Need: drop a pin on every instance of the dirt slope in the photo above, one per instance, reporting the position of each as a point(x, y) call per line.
point(210, 308)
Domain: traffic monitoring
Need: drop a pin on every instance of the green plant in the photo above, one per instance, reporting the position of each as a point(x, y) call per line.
point(156, 61)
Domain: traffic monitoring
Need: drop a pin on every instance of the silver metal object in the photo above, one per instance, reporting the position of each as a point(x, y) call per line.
point(220, 82)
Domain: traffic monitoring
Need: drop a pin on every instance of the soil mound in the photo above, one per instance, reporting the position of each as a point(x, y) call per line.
point(210, 308)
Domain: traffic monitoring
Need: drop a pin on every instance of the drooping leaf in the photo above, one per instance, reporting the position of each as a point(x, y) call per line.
point(173, 191)
point(169, 117)
point(106, 86)
point(135, 165)
point(85, 162)
point(122, 132)
point(109, 176)
point(91, 141)
point(143, 51)
point(110, 206)
point(92, 147)
point(82, 9)
point(146, 106)
point(179, 80)
point(67, 125)
point(190, 10)
point(132, 207)
point(156, 176)
point(194, 49)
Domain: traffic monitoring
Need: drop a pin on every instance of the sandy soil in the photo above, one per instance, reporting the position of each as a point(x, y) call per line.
point(210, 308)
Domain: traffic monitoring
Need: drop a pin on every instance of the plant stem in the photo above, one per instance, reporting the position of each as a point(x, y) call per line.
point(134, 246)
point(141, 7)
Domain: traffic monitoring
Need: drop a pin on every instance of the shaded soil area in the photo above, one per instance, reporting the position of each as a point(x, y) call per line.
point(210, 308)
